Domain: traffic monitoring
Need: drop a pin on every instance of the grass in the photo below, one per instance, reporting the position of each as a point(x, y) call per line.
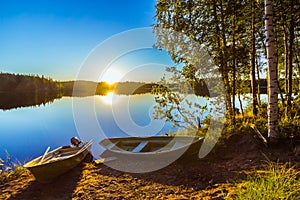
point(9, 175)
point(276, 182)
point(10, 170)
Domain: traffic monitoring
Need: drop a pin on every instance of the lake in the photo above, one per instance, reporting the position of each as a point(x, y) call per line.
point(26, 132)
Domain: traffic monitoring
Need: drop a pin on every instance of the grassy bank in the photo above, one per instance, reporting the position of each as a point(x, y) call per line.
point(276, 181)
point(6, 176)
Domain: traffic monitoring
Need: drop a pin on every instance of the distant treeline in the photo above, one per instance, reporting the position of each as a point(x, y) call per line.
point(28, 90)
point(25, 90)
point(89, 88)
point(132, 88)
point(28, 83)
point(40, 85)
point(82, 88)
point(202, 87)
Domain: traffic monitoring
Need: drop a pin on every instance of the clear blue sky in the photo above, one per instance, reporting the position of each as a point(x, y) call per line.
point(53, 37)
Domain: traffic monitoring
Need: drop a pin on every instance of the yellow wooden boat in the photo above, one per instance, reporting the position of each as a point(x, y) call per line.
point(51, 165)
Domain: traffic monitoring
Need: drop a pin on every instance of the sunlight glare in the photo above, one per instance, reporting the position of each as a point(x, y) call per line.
point(111, 76)
point(108, 98)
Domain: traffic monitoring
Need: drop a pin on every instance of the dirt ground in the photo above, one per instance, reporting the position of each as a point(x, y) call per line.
point(208, 178)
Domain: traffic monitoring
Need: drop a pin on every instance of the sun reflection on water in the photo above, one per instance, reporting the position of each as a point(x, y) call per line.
point(108, 99)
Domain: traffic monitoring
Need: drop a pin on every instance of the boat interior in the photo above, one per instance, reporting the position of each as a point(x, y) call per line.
point(136, 146)
point(60, 153)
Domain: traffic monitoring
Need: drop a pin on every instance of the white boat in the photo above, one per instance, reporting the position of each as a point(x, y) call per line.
point(152, 146)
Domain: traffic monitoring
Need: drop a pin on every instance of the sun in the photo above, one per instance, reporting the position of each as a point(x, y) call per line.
point(112, 76)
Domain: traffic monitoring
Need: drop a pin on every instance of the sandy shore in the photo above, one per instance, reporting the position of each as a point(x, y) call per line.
point(208, 178)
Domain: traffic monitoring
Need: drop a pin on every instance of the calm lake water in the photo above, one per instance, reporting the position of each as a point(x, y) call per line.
point(27, 132)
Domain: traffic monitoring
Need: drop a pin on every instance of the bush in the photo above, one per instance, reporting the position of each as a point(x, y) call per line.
point(289, 127)
point(289, 123)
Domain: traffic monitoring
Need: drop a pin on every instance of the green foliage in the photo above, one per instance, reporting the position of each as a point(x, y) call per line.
point(261, 120)
point(174, 107)
point(231, 31)
point(275, 182)
point(289, 127)
point(223, 28)
point(289, 123)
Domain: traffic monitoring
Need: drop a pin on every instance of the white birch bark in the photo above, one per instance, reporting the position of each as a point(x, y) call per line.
point(272, 74)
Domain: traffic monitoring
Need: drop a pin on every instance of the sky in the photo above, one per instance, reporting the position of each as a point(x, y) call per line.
point(54, 37)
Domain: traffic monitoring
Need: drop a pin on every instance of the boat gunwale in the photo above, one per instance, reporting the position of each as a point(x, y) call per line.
point(152, 138)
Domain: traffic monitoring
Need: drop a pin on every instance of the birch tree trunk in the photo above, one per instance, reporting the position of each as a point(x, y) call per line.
point(272, 74)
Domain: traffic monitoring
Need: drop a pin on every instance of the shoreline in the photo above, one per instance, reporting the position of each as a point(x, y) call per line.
point(214, 177)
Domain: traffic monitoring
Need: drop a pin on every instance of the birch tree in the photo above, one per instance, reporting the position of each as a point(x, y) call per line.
point(272, 74)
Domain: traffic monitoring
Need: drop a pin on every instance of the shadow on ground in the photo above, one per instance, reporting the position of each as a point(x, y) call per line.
point(61, 188)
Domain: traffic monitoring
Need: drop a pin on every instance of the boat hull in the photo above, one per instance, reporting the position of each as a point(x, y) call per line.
point(47, 172)
point(152, 147)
